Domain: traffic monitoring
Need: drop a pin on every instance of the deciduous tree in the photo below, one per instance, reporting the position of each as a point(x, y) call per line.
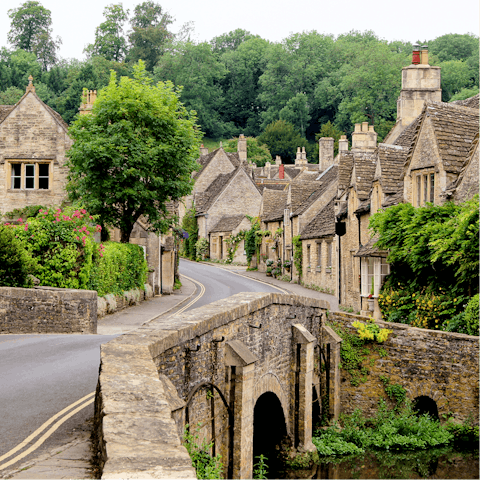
point(134, 153)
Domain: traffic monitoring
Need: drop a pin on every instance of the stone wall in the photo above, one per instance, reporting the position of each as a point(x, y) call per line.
point(321, 273)
point(439, 365)
point(47, 310)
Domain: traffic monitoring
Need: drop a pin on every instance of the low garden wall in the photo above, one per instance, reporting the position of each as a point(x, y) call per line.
point(113, 303)
point(425, 363)
point(47, 310)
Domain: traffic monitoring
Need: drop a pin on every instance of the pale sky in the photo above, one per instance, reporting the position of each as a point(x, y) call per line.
point(409, 20)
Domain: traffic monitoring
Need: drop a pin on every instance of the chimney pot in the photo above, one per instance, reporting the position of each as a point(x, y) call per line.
point(358, 127)
point(364, 126)
point(416, 54)
point(371, 128)
point(424, 55)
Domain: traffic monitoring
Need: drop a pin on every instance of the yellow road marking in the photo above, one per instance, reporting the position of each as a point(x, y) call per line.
point(202, 292)
point(47, 434)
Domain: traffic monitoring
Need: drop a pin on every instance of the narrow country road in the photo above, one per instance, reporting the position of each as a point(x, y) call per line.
point(41, 375)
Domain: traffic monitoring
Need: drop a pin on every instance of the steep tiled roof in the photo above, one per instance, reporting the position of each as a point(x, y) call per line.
point(205, 199)
point(308, 175)
point(227, 224)
point(204, 160)
point(471, 102)
point(274, 202)
point(394, 199)
point(455, 128)
point(406, 138)
point(392, 160)
point(234, 158)
point(369, 249)
point(292, 172)
point(4, 111)
point(300, 192)
point(326, 180)
point(364, 172)
point(345, 165)
point(323, 225)
point(272, 186)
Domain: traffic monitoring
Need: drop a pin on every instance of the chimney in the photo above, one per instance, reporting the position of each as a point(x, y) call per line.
point(424, 55)
point(364, 138)
point(343, 144)
point(203, 150)
point(268, 165)
point(304, 155)
point(416, 54)
point(88, 99)
point(30, 86)
point(281, 171)
point(325, 152)
point(298, 158)
point(278, 160)
point(242, 148)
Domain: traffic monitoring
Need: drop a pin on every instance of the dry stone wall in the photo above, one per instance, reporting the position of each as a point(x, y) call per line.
point(47, 310)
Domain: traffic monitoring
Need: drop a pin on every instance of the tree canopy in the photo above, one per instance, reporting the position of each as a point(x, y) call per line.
point(134, 153)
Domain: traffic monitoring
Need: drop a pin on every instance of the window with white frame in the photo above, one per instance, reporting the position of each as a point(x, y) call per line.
point(30, 176)
point(373, 272)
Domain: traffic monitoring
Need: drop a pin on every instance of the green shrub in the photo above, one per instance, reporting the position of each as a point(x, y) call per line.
point(471, 315)
point(15, 263)
point(121, 267)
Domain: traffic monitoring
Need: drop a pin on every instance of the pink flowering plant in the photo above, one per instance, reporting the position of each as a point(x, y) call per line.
point(60, 242)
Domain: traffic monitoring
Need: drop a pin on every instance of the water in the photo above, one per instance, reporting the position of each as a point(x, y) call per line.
point(442, 463)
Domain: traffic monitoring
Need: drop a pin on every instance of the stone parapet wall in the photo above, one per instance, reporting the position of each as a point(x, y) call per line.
point(146, 376)
point(47, 310)
point(440, 365)
point(113, 303)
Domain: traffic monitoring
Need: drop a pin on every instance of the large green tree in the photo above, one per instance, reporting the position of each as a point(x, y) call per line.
point(134, 153)
point(110, 41)
point(149, 35)
point(31, 30)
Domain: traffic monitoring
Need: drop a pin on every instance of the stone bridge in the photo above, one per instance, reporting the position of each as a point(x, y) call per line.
point(246, 372)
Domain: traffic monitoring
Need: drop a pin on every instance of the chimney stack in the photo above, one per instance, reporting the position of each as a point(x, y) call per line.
point(242, 148)
point(268, 166)
point(343, 144)
point(89, 97)
point(424, 55)
point(281, 171)
point(325, 152)
point(364, 138)
point(203, 150)
point(278, 160)
point(416, 54)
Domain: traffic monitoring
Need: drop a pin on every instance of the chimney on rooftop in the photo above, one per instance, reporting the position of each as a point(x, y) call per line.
point(343, 144)
point(203, 150)
point(424, 55)
point(88, 99)
point(242, 148)
point(416, 54)
point(325, 152)
point(364, 138)
point(278, 160)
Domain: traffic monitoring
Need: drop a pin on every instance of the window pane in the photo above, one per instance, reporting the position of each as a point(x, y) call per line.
point(319, 254)
point(43, 183)
point(425, 188)
point(419, 191)
point(16, 169)
point(29, 182)
point(29, 170)
point(432, 187)
point(308, 255)
point(43, 170)
point(16, 182)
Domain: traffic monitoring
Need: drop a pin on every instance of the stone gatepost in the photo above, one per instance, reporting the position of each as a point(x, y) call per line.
point(329, 337)
point(304, 342)
point(242, 368)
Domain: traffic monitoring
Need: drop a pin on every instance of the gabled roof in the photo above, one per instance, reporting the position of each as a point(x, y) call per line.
point(391, 161)
point(205, 199)
point(274, 203)
point(363, 173)
point(323, 225)
point(308, 175)
point(292, 172)
point(394, 199)
point(326, 180)
point(228, 223)
point(345, 166)
point(300, 192)
point(204, 160)
point(4, 111)
point(369, 249)
point(407, 137)
point(272, 186)
point(472, 102)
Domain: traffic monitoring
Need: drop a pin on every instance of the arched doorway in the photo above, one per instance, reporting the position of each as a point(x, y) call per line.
point(269, 429)
point(424, 404)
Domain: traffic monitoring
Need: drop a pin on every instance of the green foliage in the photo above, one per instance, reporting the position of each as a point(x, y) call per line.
point(282, 139)
point(471, 315)
point(258, 154)
point(31, 31)
point(319, 288)
point(134, 153)
point(25, 212)
point(110, 41)
point(252, 240)
point(202, 248)
point(396, 429)
point(61, 245)
point(205, 465)
point(11, 96)
point(233, 243)
point(119, 268)
point(466, 432)
point(260, 468)
point(395, 391)
point(177, 285)
point(329, 130)
point(456, 75)
point(190, 226)
point(297, 254)
point(15, 263)
point(464, 93)
point(296, 112)
point(370, 331)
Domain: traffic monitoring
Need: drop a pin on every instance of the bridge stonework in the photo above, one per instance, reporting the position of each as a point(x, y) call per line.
point(209, 367)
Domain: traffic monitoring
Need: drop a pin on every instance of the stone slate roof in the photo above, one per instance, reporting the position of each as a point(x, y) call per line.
point(205, 199)
point(364, 164)
point(369, 250)
point(292, 171)
point(394, 199)
point(323, 225)
point(455, 128)
point(274, 203)
point(271, 186)
point(300, 192)
point(227, 224)
point(204, 160)
point(308, 175)
point(472, 102)
point(4, 111)
point(392, 160)
point(407, 137)
point(345, 166)
point(326, 180)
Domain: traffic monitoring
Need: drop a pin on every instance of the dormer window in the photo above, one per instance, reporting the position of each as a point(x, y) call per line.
point(424, 188)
